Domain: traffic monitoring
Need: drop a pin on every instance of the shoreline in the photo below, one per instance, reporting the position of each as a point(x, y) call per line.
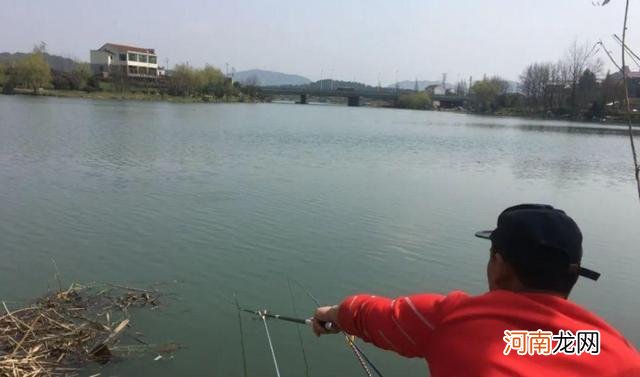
point(146, 97)
point(129, 96)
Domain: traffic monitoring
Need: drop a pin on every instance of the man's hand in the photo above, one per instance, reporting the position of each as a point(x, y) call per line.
point(323, 315)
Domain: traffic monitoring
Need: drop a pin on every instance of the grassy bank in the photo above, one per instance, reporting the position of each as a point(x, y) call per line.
point(136, 96)
point(610, 117)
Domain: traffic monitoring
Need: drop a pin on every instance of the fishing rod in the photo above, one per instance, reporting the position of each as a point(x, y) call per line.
point(359, 354)
point(301, 321)
point(263, 315)
point(364, 361)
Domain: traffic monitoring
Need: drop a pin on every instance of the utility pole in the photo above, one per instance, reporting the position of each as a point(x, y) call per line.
point(444, 82)
point(415, 86)
point(321, 73)
point(226, 69)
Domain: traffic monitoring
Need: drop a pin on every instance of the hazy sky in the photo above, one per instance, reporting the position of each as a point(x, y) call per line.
point(361, 39)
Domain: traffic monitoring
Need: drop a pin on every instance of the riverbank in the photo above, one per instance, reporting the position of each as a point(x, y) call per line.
point(610, 119)
point(155, 96)
point(137, 96)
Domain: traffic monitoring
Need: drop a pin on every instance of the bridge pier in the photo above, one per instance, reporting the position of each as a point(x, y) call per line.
point(303, 99)
point(353, 101)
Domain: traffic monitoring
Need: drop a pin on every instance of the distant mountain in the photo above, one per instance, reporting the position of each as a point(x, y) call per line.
point(57, 63)
point(269, 78)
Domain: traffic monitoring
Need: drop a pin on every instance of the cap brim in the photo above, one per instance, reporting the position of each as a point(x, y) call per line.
point(589, 274)
point(486, 234)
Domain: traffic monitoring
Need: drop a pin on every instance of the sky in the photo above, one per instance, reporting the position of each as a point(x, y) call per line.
point(370, 41)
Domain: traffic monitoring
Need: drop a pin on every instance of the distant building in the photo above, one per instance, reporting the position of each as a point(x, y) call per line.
point(633, 81)
point(438, 90)
point(129, 61)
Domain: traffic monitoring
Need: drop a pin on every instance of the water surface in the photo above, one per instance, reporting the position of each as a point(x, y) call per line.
point(237, 198)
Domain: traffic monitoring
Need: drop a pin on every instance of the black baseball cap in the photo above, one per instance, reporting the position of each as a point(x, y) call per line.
point(529, 228)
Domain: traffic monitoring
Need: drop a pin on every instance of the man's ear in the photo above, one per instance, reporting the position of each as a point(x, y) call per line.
point(506, 277)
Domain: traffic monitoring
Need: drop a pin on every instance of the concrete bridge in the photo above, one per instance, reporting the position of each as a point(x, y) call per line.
point(353, 95)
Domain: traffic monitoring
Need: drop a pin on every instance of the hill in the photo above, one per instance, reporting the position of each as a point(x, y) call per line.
point(270, 78)
point(56, 62)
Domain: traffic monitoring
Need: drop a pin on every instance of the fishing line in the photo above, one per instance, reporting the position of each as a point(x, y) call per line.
point(295, 313)
point(354, 347)
point(358, 355)
point(273, 353)
point(244, 355)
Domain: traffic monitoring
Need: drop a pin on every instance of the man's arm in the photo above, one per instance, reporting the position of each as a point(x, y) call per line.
point(403, 325)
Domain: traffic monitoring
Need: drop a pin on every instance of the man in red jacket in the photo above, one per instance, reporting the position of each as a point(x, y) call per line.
point(524, 325)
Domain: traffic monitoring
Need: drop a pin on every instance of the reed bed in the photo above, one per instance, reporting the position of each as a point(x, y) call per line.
point(64, 331)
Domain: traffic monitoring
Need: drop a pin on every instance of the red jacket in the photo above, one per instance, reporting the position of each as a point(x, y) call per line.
point(460, 335)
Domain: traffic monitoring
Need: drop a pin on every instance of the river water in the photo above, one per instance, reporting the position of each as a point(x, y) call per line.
point(212, 200)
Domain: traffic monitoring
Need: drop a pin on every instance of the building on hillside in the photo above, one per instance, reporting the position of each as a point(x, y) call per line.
point(125, 61)
point(438, 90)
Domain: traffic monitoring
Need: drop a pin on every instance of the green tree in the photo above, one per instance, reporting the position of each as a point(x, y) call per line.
point(2, 75)
point(211, 80)
point(587, 90)
point(9, 83)
point(486, 93)
point(80, 75)
point(183, 81)
point(77, 79)
point(417, 101)
point(33, 72)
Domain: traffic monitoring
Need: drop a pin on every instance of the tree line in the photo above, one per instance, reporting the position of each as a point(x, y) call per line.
point(34, 73)
point(208, 82)
point(567, 88)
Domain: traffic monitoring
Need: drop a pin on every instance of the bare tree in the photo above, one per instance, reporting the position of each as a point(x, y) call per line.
point(40, 48)
point(535, 81)
point(461, 88)
point(251, 81)
point(578, 58)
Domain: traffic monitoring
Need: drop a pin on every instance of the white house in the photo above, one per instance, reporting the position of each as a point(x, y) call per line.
point(114, 60)
point(438, 90)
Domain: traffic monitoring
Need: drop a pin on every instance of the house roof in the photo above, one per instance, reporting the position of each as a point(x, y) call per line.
point(123, 48)
point(630, 75)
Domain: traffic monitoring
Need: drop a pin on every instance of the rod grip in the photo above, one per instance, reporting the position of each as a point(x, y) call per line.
point(326, 325)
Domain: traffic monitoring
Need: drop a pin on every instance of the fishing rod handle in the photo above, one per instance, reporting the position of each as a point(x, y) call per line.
point(326, 325)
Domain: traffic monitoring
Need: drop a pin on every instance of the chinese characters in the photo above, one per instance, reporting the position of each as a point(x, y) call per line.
point(547, 343)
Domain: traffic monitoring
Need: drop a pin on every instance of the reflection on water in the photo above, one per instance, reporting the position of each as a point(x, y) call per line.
point(234, 198)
